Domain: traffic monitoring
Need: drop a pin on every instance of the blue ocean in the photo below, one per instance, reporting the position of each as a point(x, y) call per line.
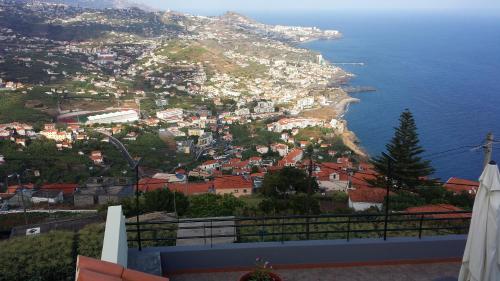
point(444, 67)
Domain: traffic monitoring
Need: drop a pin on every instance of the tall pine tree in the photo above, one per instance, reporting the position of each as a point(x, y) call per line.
point(408, 169)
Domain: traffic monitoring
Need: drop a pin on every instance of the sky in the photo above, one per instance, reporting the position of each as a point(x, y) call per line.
point(219, 6)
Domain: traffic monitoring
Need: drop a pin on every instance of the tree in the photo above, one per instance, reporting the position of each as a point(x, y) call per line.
point(288, 180)
point(408, 169)
point(163, 200)
point(212, 205)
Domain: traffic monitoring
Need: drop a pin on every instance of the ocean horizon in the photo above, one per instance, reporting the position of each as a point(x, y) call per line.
point(443, 66)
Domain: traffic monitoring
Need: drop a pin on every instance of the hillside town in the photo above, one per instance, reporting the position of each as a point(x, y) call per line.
point(220, 102)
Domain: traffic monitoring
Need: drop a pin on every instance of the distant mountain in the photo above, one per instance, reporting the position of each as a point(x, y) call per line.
point(237, 18)
point(95, 4)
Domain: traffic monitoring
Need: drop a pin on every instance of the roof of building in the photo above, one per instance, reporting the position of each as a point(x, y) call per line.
point(368, 195)
point(328, 168)
point(210, 162)
point(191, 188)
point(14, 188)
point(438, 208)
point(89, 269)
point(151, 184)
point(291, 157)
point(66, 188)
point(458, 185)
point(232, 182)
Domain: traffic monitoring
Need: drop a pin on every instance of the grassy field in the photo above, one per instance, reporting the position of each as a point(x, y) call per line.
point(12, 108)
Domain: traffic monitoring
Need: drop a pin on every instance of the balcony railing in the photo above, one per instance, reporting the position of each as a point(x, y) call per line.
point(211, 231)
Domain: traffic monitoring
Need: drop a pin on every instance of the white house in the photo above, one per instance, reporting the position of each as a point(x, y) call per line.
point(47, 196)
point(365, 198)
point(262, 149)
point(209, 165)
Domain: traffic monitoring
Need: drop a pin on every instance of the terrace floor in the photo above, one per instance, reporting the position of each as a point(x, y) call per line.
point(408, 272)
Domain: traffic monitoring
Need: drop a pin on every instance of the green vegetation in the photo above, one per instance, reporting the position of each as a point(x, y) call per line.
point(211, 205)
point(44, 257)
point(288, 180)
point(12, 108)
point(42, 155)
point(249, 135)
point(48, 257)
point(408, 168)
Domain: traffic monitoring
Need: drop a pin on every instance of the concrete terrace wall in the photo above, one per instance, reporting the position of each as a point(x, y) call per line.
point(115, 247)
point(296, 254)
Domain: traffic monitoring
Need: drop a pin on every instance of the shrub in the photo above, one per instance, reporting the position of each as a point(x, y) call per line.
point(44, 257)
point(90, 240)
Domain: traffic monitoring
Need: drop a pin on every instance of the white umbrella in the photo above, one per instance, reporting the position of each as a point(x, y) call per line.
point(481, 261)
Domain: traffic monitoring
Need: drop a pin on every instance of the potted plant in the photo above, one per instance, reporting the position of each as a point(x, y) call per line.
point(261, 272)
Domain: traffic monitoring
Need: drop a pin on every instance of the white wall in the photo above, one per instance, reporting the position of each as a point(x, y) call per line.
point(115, 247)
point(361, 206)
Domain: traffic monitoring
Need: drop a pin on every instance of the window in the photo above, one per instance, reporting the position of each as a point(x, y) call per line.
point(236, 191)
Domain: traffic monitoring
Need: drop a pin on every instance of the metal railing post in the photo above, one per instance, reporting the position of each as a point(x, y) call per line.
point(211, 236)
point(205, 233)
point(307, 228)
point(420, 227)
point(282, 229)
point(348, 228)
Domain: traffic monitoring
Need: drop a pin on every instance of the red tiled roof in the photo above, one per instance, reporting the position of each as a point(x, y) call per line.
point(209, 162)
point(258, 175)
point(289, 158)
point(6, 196)
point(66, 188)
point(438, 208)
point(191, 188)
point(457, 185)
point(88, 269)
point(13, 188)
point(368, 195)
point(328, 168)
point(232, 182)
point(255, 158)
point(151, 184)
point(360, 180)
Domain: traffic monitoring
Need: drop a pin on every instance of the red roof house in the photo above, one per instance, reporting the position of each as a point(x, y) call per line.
point(438, 208)
point(66, 188)
point(151, 184)
point(236, 185)
point(457, 186)
point(191, 188)
point(364, 198)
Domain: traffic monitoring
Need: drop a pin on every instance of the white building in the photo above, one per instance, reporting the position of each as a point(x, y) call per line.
point(56, 135)
point(114, 117)
point(306, 102)
point(47, 196)
point(170, 115)
point(264, 107)
point(365, 198)
point(292, 123)
point(262, 149)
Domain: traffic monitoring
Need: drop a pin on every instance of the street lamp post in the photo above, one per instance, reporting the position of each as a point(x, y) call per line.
point(134, 165)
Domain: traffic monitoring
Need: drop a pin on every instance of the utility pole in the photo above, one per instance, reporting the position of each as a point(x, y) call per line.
point(390, 161)
point(310, 151)
point(488, 148)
